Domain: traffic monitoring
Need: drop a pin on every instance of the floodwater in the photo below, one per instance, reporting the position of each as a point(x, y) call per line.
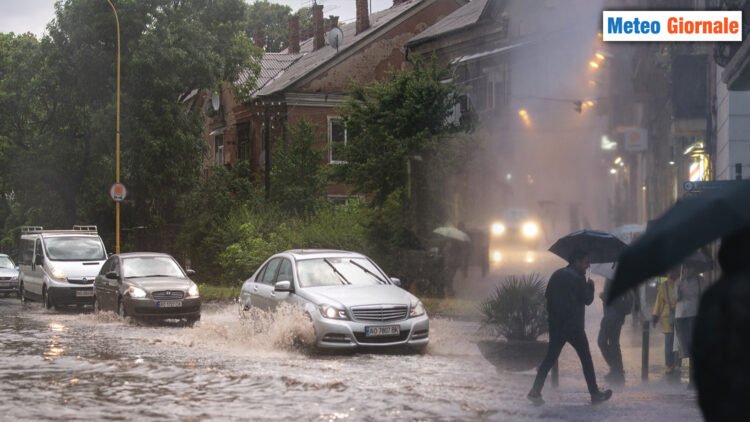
point(74, 365)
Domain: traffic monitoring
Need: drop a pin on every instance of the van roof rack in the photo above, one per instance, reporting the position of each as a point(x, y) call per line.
point(31, 229)
point(78, 229)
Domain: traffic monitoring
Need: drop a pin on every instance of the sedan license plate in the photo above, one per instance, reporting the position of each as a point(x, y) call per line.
point(387, 330)
point(169, 304)
point(84, 293)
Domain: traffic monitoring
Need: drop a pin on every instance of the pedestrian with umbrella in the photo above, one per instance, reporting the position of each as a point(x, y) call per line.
point(568, 293)
point(720, 341)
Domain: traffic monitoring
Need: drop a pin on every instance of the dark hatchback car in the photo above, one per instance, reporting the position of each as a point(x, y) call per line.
point(147, 286)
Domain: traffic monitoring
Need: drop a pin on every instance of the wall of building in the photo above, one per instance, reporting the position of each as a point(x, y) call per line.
point(732, 130)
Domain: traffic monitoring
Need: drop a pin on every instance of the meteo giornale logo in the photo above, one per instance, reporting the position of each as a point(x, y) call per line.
point(647, 25)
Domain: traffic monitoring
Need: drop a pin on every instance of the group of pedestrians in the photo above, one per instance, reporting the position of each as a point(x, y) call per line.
point(675, 310)
point(569, 292)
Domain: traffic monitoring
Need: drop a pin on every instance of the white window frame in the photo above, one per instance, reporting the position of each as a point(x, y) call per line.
point(219, 150)
point(330, 138)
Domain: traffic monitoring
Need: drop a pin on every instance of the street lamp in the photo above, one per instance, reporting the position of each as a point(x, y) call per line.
point(117, 134)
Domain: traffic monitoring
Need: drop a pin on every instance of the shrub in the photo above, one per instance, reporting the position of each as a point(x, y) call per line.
point(517, 308)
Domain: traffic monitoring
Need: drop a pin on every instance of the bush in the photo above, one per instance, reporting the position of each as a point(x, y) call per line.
point(517, 308)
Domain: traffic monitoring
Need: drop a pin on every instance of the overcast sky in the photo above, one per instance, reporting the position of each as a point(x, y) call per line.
point(21, 16)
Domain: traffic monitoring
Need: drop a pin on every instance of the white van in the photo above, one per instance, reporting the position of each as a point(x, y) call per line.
point(58, 267)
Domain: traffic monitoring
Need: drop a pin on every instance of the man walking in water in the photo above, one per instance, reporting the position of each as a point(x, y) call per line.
point(568, 293)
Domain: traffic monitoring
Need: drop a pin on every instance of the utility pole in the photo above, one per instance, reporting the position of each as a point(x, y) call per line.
point(117, 134)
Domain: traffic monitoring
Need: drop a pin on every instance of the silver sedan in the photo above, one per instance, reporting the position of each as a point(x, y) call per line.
point(348, 297)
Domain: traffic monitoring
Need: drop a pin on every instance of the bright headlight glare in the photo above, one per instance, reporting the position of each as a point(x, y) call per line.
point(332, 312)
point(498, 229)
point(417, 309)
point(58, 273)
point(136, 292)
point(193, 290)
point(530, 229)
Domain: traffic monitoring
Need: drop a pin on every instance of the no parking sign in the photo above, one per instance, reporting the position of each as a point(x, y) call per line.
point(118, 192)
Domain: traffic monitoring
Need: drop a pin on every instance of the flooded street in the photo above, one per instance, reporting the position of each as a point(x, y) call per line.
point(70, 366)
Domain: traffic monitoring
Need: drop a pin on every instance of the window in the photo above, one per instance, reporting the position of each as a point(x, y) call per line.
point(269, 275)
point(243, 142)
point(496, 87)
point(336, 138)
point(219, 149)
point(285, 271)
point(107, 266)
point(27, 252)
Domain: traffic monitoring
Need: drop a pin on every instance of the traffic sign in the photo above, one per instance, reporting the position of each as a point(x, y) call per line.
point(118, 192)
point(707, 186)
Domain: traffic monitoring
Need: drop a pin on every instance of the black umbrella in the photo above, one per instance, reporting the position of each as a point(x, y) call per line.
point(601, 246)
point(688, 225)
point(699, 261)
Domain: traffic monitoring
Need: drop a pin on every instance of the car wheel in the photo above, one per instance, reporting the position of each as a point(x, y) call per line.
point(97, 306)
point(121, 309)
point(22, 293)
point(192, 320)
point(46, 299)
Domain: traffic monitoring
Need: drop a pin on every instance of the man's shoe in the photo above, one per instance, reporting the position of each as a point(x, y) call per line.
point(601, 396)
point(535, 397)
point(616, 378)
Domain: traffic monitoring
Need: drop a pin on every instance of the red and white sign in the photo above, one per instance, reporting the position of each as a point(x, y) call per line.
point(118, 192)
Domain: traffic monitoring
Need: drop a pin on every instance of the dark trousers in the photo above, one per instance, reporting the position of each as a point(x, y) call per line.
point(609, 343)
point(557, 339)
point(668, 353)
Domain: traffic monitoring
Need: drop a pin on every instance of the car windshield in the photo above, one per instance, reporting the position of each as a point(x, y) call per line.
point(74, 249)
point(5, 262)
point(337, 272)
point(152, 266)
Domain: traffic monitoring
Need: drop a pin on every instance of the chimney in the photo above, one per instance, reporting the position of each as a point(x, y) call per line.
point(363, 16)
point(259, 39)
point(318, 38)
point(293, 34)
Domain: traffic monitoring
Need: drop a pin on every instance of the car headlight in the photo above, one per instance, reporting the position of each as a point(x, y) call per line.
point(136, 292)
point(417, 309)
point(193, 290)
point(332, 312)
point(58, 274)
point(530, 229)
point(498, 229)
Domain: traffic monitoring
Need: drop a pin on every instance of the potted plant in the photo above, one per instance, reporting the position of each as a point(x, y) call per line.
point(516, 315)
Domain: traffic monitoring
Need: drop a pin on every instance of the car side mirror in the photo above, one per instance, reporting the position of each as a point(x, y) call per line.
point(283, 286)
point(396, 281)
point(112, 275)
point(38, 260)
point(190, 273)
point(18, 268)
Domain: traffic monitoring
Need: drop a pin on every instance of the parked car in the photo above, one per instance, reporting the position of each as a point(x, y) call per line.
point(147, 285)
point(58, 267)
point(349, 299)
point(8, 276)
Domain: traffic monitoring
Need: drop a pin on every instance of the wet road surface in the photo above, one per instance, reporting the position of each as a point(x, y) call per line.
point(80, 366)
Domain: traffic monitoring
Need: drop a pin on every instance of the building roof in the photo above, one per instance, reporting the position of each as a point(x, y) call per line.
point(276, 77)
point(465, 16)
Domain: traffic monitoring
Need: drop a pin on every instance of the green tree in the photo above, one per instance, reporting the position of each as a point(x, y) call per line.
point(272, 19)
point(394, 122)
point(297, 177)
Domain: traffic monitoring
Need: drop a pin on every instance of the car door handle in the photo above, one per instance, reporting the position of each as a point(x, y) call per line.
point(255, 288)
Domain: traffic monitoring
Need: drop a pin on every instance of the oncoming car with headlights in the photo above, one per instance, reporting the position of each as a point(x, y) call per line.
point(147, 285)
point(516, 227)
point(349, 299)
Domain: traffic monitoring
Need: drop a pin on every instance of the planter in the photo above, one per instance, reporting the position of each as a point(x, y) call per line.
point(515, 356)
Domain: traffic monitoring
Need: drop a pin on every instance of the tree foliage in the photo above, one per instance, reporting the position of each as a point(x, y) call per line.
point(393, 121)
point(58, 106)
point(297, 176)
point(272, 19)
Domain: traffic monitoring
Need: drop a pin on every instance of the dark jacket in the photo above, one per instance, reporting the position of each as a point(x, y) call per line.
point(567, 295)
point(620, 307)
point(721, 348)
